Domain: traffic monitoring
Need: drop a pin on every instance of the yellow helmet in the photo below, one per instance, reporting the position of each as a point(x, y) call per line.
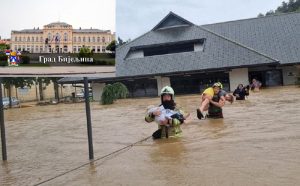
point(218, 84)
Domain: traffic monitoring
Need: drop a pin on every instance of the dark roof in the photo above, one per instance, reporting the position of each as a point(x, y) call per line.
point(277, 36)
point(233, 44)
point(172, 20)
point(219, 53)
point(90, 31)
point(28, 31)
point(63, 24)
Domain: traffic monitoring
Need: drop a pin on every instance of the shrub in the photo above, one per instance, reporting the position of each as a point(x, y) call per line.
point(25, 59)
point(120, 90)
point(107, 96)
point(113, 92)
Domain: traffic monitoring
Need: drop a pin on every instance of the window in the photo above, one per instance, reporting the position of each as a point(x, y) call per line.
point(16, 48)
point(57, 38)
point(94, 49)
point(16, 38)
point(65, 48)
point(41, 39)
point(103, 39)
point(32, 39)
point(79, 39)
point(83, 39)
point(166, 48)
point(74, 39)
point(103, 49)
point(98, 39)
point(99, 48)
point(41, 49)
point(93, 39)
point(171, 48)
point(37, 39)
point(24, 39)
point(28, 39)
point(74, 49)
point(175, 48)
point(49, 36)
point(65, 37)
point(36, 48)
point(20, 39)
point(89, 39)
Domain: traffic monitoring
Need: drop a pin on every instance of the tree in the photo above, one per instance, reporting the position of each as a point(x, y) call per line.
point(55, 84)
point(120, 42)
point(107, 96)
point(42, 81)
point(3, 47)
point(120, 91)
point(85, 52)
point(18, 82)
point(291, 6)
point(260, 15)
point(113, 92)
point(112, 46)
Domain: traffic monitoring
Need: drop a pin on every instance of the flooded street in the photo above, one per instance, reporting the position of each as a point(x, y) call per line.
point(257, 143)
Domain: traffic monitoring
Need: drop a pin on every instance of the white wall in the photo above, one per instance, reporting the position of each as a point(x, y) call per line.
point(161, 82)
point(238, 76)
point(289, 74)
point(97, 90)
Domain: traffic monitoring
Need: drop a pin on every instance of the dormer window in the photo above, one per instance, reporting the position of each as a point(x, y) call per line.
point(166, 48)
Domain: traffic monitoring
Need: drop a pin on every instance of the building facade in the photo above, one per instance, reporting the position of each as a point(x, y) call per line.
point(189, 57)
point(60, 37)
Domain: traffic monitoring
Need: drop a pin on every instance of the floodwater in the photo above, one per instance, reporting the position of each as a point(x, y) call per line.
point(257, 143)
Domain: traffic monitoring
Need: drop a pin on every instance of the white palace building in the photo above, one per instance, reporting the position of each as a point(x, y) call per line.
point(60, 37)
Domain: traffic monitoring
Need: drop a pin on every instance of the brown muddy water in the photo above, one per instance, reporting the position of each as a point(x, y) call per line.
point(257, 143)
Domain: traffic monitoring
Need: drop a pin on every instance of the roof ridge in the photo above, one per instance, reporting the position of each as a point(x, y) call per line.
point(170, 13)
point(265, 17)
point(237, 43)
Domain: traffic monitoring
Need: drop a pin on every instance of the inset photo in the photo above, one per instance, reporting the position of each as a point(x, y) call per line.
point(55, 33)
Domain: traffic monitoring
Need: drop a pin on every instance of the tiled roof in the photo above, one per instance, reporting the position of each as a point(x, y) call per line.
point(218, 53)
point(90, 31)
point(277, 36)
point(28, 31)
point(234, 44)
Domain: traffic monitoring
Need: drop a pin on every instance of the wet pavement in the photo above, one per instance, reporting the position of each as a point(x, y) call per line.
point(257, 143)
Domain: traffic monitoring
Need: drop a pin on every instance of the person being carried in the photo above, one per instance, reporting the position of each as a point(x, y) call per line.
point(175, 117)
point(213, 99)
point(166, 115)
point(241, 92)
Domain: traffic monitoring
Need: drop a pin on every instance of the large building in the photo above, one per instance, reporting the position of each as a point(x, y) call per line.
point(60, 37)
point(189, 57)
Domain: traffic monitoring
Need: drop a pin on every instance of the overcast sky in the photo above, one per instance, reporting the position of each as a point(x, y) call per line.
point(27, 14)
point(136, 17)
